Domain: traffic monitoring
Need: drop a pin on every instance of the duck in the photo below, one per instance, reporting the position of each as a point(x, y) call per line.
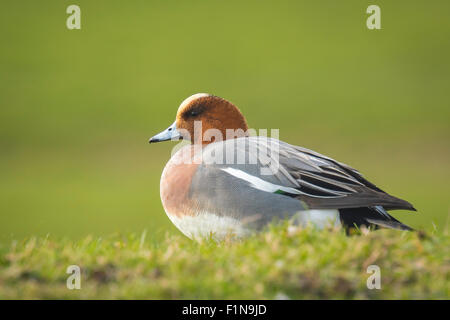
point(228, 180)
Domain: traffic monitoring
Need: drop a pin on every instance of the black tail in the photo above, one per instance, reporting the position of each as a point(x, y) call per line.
point(370, 217)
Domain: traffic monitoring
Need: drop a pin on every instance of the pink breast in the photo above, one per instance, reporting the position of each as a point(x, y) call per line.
point(176, 181)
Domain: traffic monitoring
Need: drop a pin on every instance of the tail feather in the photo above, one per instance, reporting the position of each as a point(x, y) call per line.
point(371, 217)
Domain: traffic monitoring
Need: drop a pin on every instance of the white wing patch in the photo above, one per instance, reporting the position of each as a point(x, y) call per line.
point(259, 183)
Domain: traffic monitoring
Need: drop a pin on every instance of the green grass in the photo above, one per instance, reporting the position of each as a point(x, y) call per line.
point(281, 262)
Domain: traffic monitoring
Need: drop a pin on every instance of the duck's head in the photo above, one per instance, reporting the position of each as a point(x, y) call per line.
point(203, 118)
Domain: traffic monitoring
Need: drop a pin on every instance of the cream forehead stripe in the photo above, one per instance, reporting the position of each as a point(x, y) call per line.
point(192, 98)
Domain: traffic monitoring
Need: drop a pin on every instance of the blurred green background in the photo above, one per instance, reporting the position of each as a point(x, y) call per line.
point(78, 106)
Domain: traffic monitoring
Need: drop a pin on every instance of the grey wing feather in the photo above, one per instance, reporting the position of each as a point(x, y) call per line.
point(323, 183)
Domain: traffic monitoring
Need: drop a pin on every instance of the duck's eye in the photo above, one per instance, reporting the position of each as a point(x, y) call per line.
point(194, 113)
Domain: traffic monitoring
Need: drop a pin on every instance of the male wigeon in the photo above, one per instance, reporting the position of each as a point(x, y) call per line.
point(227, 181)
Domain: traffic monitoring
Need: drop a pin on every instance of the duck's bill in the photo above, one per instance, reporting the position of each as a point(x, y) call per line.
point(171, 133)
